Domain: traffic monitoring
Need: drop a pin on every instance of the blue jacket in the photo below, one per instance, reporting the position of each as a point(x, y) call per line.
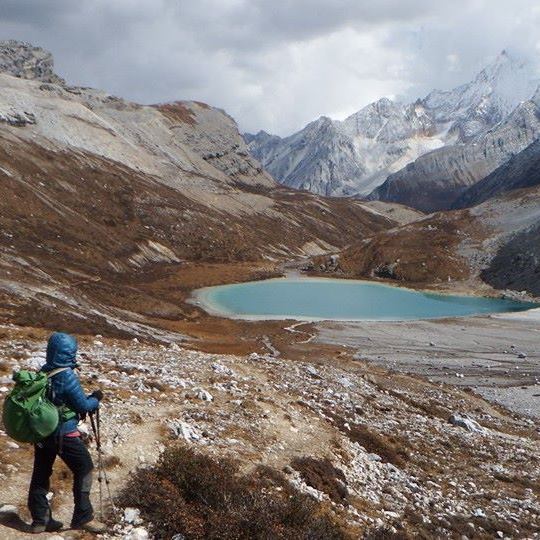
point(65, 386)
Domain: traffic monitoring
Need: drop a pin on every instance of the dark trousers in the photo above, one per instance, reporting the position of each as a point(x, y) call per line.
point(75, 455)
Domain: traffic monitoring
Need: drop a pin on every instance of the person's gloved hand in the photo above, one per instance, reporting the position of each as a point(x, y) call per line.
point(98, 394)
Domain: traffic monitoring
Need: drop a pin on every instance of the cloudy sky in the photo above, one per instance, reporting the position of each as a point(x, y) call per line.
point(273, 64)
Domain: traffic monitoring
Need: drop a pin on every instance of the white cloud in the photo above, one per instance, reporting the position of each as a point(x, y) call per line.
point(273, 65)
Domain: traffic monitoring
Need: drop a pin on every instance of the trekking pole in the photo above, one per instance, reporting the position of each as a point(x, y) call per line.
point(102, 473)
point(98, 447)
point(103, 468)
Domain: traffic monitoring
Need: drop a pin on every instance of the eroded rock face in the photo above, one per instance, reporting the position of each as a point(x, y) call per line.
point(25, 61)
point(520, 171)
point(437, 179)
point(517, 263)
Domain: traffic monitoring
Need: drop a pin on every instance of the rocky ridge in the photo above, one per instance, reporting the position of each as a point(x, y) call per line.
point(381, 140)
point(436, 180)
point(26, 61)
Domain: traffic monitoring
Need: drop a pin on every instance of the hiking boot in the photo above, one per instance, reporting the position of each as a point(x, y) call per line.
point(93, 526)
point(51, 526)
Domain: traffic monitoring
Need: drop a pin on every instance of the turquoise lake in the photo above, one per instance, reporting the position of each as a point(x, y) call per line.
point(334, 299)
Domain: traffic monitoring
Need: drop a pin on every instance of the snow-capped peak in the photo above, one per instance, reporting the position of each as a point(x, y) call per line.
point(355, 155)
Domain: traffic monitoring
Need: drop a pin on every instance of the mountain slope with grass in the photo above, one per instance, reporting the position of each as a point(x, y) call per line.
point(106, 200)
point(493, 244)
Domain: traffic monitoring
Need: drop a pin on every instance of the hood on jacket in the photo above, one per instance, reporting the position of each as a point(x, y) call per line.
point(61, 351)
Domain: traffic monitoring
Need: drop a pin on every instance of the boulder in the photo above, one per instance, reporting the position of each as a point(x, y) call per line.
point(462, 420)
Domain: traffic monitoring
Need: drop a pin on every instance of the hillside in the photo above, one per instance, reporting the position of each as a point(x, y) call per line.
point(494, 243)
point(369, 447)
point(103, 199)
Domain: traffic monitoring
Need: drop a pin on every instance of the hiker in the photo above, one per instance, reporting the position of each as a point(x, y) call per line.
point(67, 394)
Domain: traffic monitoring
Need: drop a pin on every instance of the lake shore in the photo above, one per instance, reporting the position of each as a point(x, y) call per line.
point(468, 352)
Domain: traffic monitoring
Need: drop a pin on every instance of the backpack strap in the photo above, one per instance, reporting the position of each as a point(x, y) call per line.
point(61, 408)
point(53, 372)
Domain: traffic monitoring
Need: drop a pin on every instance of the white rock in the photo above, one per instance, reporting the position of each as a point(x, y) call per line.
point(132, 515)
point(139, 533)
point(311, 370)
point(12, 444)
point(479, 513)
point(465, 422)
point(202, 394)
point(35, 362)
point(8, 509)
point(219, 368)
point(183, 430)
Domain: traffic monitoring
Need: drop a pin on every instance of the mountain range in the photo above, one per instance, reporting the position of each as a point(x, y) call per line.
point(112, 211)
point(423, 154)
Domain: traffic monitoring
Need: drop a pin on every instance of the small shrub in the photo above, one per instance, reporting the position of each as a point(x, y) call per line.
point(111, 461)
point(391, 449)
point(5, 367)
point(204, 497)
point(377, 443)
point(323, 476)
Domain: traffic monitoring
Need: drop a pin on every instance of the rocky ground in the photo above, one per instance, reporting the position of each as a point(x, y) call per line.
point(497, 356)
point(403, 464)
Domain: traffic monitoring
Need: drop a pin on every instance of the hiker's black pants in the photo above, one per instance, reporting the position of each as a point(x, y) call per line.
point(75, 455)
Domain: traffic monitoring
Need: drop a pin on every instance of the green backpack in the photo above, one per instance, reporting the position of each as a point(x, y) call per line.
point(28, 415)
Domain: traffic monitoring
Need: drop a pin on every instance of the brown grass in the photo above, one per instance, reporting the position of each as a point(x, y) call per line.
point(5, 367)
point(388, 448)
point(421, 252)
point(323, 476)
point(203, 497)
point(391, 448)
point(178, 112)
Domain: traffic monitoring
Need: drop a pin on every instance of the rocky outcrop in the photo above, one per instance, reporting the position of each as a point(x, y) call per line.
point(437, 179)
point(516, 265)
point(520, 171)
point(23, 60)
